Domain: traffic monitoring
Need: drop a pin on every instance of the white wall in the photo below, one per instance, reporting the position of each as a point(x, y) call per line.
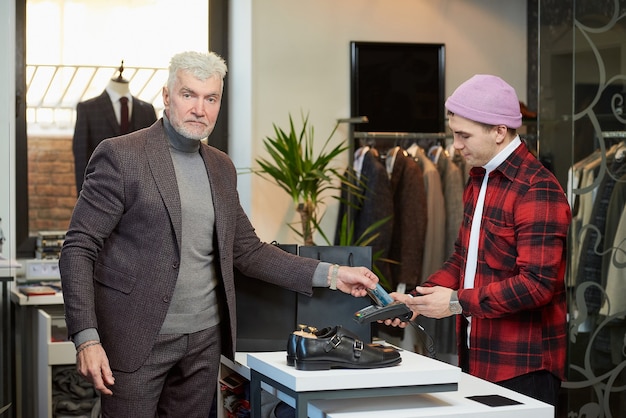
point(7, 125)
point(296, 58)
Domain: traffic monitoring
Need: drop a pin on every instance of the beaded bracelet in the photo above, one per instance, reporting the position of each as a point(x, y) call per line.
point(82, 347)
point(333, 276)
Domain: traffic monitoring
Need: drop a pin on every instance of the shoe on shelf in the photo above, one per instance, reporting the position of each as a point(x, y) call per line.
point(340, 348)
point(305, 331)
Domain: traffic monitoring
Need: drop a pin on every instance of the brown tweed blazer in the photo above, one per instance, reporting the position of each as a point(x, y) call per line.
point(120, 259)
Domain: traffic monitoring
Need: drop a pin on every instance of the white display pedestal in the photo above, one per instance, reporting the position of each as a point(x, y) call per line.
point(432, 389)
point(415, 374)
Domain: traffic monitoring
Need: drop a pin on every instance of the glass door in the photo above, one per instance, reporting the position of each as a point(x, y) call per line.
point(582, 131)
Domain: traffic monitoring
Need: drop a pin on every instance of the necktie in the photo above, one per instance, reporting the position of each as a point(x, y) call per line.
point(124, 115)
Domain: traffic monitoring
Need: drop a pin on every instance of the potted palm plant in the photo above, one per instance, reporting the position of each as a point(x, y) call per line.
point(307, 177)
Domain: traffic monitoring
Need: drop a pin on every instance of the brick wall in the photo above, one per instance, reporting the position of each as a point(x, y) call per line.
point(51, 185)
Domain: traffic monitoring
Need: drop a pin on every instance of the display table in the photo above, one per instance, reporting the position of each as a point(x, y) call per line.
point(35, 352)
point(326, 394)
point(444, 404)
point(416, 374)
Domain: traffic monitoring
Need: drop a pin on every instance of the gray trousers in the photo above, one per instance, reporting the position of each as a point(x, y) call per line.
point(179, 379)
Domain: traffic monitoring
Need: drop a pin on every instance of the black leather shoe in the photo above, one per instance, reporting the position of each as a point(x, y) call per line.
point(304, 331)
point(338, 350)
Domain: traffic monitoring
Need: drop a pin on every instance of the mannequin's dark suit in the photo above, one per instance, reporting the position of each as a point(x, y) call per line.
point(95, 121)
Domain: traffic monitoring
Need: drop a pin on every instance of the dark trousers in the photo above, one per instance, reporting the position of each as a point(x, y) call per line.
point(541, 385)
point(178, 379)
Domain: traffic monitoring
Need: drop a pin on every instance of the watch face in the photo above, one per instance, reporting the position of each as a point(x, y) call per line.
point(455, 308)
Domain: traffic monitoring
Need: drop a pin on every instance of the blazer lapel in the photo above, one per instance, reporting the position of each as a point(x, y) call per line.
point(106, 106)
point(162, 169)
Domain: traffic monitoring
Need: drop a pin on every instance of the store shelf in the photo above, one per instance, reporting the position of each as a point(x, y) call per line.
point(50, 352)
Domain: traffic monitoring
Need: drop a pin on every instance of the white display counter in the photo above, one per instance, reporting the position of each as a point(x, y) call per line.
point(414, 370)
point(425, 387)
point(415, 374)
point(444, 404)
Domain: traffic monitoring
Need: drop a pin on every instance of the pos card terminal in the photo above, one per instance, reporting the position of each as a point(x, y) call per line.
point(385, 308)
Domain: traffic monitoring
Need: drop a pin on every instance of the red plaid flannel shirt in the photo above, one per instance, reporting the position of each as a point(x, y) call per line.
point(518, 304)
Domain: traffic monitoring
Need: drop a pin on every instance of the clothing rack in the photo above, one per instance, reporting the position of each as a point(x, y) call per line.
point(402, 135)
point(614, 134)
point(404, 139)
point(607, 139)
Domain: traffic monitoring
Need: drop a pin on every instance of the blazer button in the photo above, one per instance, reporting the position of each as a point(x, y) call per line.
point(166, 299)
point(175, 265)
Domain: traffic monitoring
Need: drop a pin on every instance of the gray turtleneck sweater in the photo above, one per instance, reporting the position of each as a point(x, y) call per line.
point(194, 304)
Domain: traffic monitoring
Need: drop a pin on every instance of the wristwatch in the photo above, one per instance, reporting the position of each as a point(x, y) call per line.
point(455, 305)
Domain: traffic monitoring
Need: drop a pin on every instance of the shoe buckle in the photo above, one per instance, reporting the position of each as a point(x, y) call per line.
point(332, 343)
point(357, 347)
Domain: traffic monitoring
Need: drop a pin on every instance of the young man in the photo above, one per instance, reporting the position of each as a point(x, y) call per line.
point(505, 279)
point(147, 263)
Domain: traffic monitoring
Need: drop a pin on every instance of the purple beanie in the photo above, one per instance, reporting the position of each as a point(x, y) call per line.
point(486, 99)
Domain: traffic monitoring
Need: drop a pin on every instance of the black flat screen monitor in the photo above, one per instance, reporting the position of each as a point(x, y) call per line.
point(399, 87)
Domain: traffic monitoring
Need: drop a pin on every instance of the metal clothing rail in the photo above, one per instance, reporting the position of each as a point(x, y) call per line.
point(387, 140)
point(401, 135)
point(614, 134)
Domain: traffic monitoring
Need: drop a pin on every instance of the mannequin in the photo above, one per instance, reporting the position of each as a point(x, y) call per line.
point(119, 84)
point(96, 120)
point(119, 87)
